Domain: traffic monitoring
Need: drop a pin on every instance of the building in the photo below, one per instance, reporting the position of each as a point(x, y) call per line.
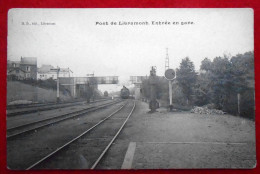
point(16, 73)
point(46, 72)
point(26, 68)
point(29, 65)
point(65, 72)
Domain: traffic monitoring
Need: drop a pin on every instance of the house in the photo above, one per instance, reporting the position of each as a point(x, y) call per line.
point(26, 68)
point(47, 72)
point(16, 73)
point(29, 65)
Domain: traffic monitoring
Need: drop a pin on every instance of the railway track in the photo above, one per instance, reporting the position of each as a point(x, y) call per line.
point(15, 131)
point(103, 127)
point(13, 111)
point(21, 106)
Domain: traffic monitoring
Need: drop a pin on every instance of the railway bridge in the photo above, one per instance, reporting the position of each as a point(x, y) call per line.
point(77, 84)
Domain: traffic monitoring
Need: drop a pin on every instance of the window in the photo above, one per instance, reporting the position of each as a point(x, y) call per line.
point(27, 68)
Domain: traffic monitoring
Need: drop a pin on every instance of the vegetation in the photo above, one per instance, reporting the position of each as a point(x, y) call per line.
point(186, 78)
point(105, 94)
point(89, 90)
point(31, 93)
point(46, 84)
point(219, 83)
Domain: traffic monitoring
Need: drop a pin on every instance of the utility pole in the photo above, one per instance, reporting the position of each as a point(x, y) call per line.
point(238, 103)
point(170, 94)
point(58, 87)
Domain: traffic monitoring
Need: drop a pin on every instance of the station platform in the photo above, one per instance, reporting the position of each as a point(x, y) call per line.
point(183, 140)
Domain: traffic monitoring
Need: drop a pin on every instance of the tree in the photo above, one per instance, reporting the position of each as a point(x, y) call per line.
point(161, 88)
point(221, 80)
point(89, 89)
point(186, 77)
point(206, 64)
point(105, 94)
point(145, 88)
point(243, 73)
point(203, 86)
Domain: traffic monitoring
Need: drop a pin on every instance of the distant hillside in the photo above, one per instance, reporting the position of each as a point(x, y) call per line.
point(20, 91)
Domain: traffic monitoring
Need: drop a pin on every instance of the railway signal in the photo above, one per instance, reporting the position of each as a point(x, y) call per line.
point(58, 89)
point(170, 75)
point(153, 105)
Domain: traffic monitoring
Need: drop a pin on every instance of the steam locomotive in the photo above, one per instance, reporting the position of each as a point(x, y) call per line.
point(124, 94)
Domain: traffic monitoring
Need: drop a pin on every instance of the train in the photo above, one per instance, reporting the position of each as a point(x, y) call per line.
point(124, 93)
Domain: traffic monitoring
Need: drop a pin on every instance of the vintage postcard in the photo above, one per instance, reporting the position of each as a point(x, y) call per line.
point(120, 88)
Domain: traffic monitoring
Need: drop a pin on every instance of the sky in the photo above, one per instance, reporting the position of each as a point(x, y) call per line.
point(80, 40)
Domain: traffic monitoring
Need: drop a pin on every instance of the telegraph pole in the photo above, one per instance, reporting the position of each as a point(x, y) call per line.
point(58, 87)
point(167, 60)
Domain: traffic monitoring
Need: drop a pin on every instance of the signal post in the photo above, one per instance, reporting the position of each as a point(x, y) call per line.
point(58, 85)
point(170, 75)
point(153, 104)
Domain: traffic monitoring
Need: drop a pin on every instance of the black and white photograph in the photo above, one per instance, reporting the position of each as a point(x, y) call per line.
point(130, 88)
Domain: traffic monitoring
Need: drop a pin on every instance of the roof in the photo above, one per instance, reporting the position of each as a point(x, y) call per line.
point(45, 68)
point(11, 62)
point(64, 69)
point(48, 69)
point(15, 68)
point(29, 60)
